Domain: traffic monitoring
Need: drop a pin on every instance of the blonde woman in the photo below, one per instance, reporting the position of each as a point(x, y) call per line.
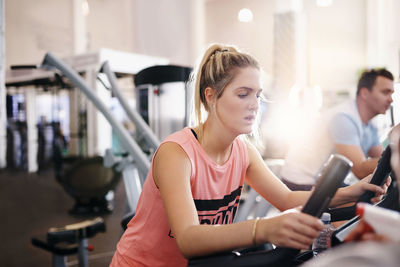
point(192, 191)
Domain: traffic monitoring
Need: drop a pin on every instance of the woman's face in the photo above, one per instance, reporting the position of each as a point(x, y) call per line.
point(237, 108)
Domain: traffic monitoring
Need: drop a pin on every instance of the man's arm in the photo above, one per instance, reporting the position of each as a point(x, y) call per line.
point(346, 137)
point(361, 165)
point(375, 151)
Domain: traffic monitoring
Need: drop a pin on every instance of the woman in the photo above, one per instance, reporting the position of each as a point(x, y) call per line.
point(192, 191)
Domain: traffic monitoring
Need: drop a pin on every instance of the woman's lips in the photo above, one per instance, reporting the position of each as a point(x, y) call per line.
point(250, 118)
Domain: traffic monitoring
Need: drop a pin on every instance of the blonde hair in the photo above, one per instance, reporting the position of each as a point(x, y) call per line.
point(216, 70)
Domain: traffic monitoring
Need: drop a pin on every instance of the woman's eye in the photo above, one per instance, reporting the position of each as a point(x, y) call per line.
point(242, 95)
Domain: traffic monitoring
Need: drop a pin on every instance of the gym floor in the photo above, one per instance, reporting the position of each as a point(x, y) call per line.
point(32, 203)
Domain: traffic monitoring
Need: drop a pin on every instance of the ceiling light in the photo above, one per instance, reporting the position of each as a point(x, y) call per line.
point(245, 15)
point(85, 7)
point(324, 3)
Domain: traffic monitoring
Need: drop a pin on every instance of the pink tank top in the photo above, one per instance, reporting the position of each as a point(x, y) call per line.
point(216, 192)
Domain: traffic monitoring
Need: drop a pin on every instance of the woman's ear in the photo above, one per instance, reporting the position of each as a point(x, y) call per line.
point(209, 95)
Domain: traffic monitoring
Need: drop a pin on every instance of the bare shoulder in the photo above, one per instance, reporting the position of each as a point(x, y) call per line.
point(252, 151)
point(170, 160)
point(170, 148)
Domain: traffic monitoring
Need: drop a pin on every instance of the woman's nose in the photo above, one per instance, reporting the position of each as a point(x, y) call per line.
point(254, 104)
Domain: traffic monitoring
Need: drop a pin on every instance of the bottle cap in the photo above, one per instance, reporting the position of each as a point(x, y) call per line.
point(326, 217)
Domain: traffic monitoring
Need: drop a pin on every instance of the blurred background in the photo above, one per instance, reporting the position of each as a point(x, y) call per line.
point(312, 53)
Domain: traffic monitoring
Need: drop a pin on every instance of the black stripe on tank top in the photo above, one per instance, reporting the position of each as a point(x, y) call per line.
point(215, 204)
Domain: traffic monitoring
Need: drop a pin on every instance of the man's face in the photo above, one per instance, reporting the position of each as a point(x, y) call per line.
point(380, 97)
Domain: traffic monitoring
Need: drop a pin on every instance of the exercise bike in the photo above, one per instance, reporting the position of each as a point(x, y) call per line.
point(330, 178)
point(69, 240)
point(390, 201)
point(319, 201)
point(134, 165)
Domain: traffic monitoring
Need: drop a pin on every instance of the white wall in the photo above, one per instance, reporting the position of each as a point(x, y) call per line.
point(336, 43)
point(383, 34)
point(35, 27)
point(340, 41)
point(336, 48)
point(255, 38)
point(178, 29)
point(168, 28)
point(162, 28)
point(110, 24)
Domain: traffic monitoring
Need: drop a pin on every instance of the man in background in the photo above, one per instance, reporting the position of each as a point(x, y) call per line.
point(347, 130)
point(367, 248)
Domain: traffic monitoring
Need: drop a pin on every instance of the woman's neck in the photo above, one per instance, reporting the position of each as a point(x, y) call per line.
point(215, 142)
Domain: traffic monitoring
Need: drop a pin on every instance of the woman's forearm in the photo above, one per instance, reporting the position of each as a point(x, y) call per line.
point(295, 199)
point(342, 196)
point(200, 240)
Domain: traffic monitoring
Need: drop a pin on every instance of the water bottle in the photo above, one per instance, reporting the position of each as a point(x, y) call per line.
point(323, 241)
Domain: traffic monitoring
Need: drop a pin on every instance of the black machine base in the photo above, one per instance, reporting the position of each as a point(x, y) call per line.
point(92, 207)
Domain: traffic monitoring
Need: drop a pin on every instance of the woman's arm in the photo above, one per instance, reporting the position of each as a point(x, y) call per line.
point(352, 193)
point(290, 229)
point(270, 187)
point(274, 191)
point(172, 171)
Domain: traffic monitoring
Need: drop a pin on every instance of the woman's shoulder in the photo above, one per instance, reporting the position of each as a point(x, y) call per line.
point(173, 149)
point(177, 142)
point(244, 148)
point(252, 150)
point(179, 136)
point(244, 142)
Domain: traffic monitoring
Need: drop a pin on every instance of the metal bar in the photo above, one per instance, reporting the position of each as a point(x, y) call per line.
point(142, 162)
point(3, 116)
point(83, 254)
point(133, 115)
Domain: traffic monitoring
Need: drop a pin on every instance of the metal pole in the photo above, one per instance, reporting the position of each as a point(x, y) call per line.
point(3, 110)
point(133, 115)
point(142, 162)
point(83, 257)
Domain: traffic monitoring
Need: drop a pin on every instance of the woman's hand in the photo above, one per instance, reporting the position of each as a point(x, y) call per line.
point(289, 229)
point(385, 186)
point(356, 190)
